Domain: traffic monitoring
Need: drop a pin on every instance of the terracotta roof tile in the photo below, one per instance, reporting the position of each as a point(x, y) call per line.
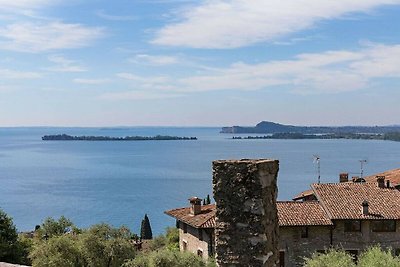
point(343, 200)
point(206, 219)
point(392, 175)
point(292, 213)
point(304, 194)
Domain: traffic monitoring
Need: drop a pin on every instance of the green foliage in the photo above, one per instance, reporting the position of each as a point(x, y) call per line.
point(9, 245)
point(99, 246)
point(166, 258)
point(145, 230)
point(376, 257)
point(57, 251)
point(172, 238)
point(51, 227)
point(333, 258)
point(208, 200)
point(103, 245)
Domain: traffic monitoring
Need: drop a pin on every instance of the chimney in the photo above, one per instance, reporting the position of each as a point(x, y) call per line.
point(195, 205)
point(381, 181)
point(365, 206)
point(388, 183)
point(343, 177)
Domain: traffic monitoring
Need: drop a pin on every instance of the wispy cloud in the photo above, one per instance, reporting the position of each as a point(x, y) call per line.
point(327, 72)
point(156, 60)
point(102, 14)
point(138, 95)
point(17, 75)
point(238, 23)
point(91, 81)
point(64, 65)
point(43, 37)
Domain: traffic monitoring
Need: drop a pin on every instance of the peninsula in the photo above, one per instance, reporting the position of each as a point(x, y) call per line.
point(65, 137)
point(267, 127)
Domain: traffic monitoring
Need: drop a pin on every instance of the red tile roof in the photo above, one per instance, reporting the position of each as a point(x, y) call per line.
point(304, 194)
point(343, 200)
point(292, 213)
point(206, 219)
point(392, 175)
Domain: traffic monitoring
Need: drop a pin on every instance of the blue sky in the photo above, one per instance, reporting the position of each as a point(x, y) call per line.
point(203, 63)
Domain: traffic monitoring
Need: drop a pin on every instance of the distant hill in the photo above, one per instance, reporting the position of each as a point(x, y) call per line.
point(267, 127)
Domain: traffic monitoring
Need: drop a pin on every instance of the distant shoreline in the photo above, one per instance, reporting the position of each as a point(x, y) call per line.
point(65, 137)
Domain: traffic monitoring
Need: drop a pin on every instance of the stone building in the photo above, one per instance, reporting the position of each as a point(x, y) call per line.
point(348, 215)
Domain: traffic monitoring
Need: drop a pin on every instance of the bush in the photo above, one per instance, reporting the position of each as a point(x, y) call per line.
point(8, 239)
point(376, 257)
point(333, 258)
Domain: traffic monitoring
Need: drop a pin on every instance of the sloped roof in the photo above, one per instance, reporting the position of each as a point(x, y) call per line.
point(343, 200)
point(392, 175)
point(292, 213)
point(206, 219)
point(304, 194)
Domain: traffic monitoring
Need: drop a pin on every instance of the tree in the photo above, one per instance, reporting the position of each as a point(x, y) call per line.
point(208, 201)
point(145, 229)
point(333, 258)
point(376, 257)
point(8, 239)
point(57, 251)
point(51, 227)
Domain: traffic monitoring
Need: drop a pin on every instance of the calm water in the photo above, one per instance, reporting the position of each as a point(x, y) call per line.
point(118, 182)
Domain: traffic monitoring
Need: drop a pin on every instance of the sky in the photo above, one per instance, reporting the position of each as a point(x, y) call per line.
point(199, 63)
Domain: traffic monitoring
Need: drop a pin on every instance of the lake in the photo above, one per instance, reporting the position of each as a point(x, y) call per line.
point(117, 182)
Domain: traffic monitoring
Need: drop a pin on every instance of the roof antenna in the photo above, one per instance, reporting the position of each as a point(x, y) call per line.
point(362, 162)
point(317, 160)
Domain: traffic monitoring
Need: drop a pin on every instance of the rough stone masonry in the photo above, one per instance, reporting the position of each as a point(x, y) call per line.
point(246, 231)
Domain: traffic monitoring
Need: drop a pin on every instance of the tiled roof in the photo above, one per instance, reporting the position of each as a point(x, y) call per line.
point(392, 175)
point(304, 194)
point(343, 200)
point(292, 213)
point(206, 219)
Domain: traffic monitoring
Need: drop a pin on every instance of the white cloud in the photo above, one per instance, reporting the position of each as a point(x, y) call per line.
point(41, 37)
point(102, 14)
point(138, 95)
point(91, 81)
point(237, 23)
point(24, 4)
point(158, 60)
point(65, 65)
point(18, 75)
point(328, 72)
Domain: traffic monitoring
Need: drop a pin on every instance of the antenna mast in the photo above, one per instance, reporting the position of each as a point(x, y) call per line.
point(317, 159)
point(362, 162)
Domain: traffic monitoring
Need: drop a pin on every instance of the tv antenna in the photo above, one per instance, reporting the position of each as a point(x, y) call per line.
point(362, 162)
point(317, 159)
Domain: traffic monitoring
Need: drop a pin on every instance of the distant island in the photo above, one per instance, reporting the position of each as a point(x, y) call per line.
point(65, 137)
point(267, 127)
point(394, 136)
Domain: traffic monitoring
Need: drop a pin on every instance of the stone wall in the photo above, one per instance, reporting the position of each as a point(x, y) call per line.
point(246, 231)
point(296, 248)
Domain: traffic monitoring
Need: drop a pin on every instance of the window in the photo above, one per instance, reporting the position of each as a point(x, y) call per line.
point(200, 234)
point(200, 253)
point(352, 226)
point(281, 258)
point(184, 227)
point(383, 226)
point(184, 245)
point(304, 232)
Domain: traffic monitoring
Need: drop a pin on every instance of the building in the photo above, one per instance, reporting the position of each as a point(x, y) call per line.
point(348, 215)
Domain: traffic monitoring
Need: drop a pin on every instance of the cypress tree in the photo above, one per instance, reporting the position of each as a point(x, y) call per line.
point(145, 229)
point(208, 202)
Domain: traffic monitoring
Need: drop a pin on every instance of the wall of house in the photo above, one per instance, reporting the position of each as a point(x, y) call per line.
point(193, 243)
point(295, 247)
point(361, 240)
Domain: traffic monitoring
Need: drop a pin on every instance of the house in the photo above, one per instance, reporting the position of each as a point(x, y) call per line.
point(349, 215)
